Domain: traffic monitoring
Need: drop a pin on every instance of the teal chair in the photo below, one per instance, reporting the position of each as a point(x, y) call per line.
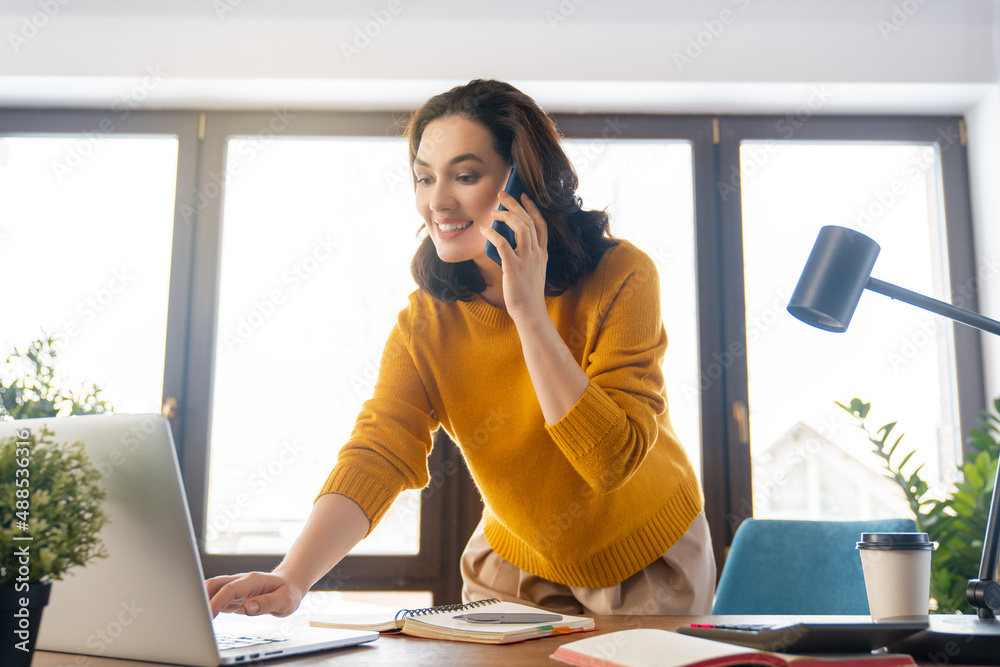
point(798, 567)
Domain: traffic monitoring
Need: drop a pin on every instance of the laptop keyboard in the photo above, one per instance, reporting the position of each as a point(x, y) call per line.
point(228, 642)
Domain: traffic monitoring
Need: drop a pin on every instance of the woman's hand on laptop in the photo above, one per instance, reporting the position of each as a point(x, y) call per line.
point(253, 593)
point(334, 526)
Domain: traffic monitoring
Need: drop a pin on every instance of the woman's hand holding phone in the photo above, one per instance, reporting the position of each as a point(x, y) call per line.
point(515, 189)
point(524, 262)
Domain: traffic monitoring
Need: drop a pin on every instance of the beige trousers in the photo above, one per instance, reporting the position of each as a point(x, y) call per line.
point(681, 582)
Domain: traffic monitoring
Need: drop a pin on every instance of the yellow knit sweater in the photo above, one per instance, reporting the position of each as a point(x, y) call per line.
point(587, 501)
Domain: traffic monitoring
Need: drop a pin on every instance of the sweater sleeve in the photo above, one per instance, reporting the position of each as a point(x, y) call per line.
point(608, 433)
point(388, 448)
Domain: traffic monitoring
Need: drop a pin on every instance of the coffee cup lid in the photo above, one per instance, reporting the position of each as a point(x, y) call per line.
point(895, 541)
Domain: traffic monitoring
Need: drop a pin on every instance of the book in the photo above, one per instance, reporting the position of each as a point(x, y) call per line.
point(439, 623)
point(646, 647)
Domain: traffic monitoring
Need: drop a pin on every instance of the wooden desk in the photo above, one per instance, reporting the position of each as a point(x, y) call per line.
point(401, 650)
point(398, 650)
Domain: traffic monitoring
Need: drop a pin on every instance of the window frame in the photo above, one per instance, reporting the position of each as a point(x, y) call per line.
point(123, 121)
point(451, 512)
point(969, 377)
point(431, 568)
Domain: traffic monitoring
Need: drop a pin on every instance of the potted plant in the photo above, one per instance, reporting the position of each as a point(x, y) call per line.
point(50, 517)
point(50, 498)
point(28, 387)
point(957, 522)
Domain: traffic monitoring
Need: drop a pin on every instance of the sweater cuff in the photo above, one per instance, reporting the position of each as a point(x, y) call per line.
point(594, 419)
point(374, 498)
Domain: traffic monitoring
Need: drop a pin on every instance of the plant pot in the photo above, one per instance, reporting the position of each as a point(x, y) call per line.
point(19, 623)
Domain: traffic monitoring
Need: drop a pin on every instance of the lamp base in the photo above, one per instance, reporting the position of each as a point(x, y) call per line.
point(953, 639)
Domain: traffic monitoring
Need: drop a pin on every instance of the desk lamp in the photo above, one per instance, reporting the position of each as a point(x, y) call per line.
point(836, 273)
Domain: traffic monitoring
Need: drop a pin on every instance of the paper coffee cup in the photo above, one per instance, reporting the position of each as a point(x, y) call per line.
point(897, 569)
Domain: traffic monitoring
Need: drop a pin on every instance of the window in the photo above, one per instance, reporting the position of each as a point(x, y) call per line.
point(215, 259)
point(797, 454)
point(896, 356)
point(291, 210)
point(303, 210)
point(315, 265)
point(95, 241)
point(88, 243)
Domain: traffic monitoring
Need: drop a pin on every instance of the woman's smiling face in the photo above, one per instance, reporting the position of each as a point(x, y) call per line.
point(458, 176)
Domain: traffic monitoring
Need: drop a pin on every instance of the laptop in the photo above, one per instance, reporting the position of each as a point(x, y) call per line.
point(147, 599)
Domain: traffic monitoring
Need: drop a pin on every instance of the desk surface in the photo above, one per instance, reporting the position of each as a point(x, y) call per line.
point(403, 650)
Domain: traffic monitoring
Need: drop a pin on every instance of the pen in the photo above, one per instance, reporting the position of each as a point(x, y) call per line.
point(509, 618)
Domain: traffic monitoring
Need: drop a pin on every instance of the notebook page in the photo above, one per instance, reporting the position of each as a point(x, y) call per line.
point(646, 647)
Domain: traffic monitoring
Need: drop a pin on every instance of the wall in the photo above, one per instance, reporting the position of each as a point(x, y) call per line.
point(664, 56)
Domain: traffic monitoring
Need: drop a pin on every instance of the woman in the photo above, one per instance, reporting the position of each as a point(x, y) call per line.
point(591, 504)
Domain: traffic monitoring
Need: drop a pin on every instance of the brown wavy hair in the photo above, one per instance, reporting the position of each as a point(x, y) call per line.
point(525, 135)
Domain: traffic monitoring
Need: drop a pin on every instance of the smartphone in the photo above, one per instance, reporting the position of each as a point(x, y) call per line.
point(515, 189)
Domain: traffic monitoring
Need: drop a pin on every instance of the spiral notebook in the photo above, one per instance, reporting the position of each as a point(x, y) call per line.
point(439, 623)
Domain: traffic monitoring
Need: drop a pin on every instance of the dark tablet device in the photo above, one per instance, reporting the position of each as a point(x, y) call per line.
point(808, 637)
point(515, 189)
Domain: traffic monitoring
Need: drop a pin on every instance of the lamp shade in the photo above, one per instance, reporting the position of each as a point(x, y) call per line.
point(834, 278)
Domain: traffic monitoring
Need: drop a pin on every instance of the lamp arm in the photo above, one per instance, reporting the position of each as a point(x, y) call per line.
point(982, 593)
point(940, 307)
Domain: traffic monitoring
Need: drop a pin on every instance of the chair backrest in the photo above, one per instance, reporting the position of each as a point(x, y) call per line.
point(798, 567)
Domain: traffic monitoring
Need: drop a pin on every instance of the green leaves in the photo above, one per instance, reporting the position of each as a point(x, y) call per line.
point(63, 510)
point(957, 523)
point(63, 513)
point(28, 387)
point(858, 408)
point(913, 487)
